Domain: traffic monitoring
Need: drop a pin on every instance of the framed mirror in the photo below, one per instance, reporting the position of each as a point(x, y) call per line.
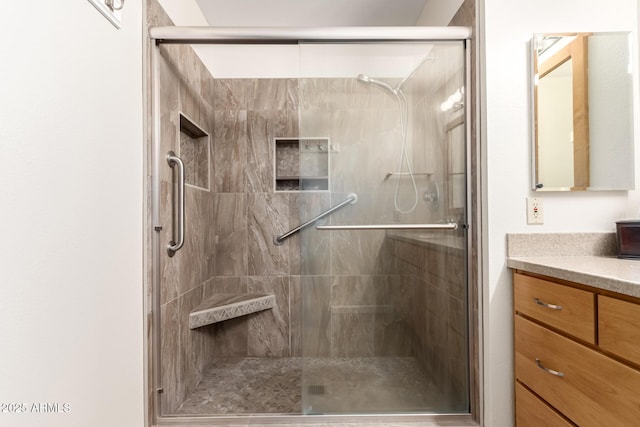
point(582, 112)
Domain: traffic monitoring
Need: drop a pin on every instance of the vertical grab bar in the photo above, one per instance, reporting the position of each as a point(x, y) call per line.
point(174, 246)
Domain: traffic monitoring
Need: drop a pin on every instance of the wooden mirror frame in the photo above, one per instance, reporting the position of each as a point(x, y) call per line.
point(577, 52)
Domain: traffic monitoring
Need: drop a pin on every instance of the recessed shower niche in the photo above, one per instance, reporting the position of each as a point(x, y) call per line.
point(302, 164)
point(194, 150)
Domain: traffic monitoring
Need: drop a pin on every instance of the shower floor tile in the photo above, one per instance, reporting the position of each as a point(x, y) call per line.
point(326, 385)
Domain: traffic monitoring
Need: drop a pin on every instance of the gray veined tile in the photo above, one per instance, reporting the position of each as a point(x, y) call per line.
point(230, 211)
point(230, 147)
point(262, 127)
point(268, 331)
point(273, 94)
point(231, 94)
point(268, 217)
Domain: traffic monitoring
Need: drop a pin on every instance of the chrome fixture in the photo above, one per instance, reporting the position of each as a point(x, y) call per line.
point(404, 118)
point(352, 199)
point(390, 174)
point(175, 246)
point(363, 78)
point(449, 226)
point(111, 5)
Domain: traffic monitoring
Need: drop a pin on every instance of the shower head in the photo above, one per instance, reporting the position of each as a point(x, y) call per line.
point(363, 78)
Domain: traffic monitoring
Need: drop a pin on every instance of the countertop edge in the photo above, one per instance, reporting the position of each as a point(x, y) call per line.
point(564, 268)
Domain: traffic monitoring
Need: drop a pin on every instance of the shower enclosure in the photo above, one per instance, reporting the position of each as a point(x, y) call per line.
point(309, 251)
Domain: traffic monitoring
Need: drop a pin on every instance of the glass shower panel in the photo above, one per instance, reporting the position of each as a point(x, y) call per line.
point(382, 282)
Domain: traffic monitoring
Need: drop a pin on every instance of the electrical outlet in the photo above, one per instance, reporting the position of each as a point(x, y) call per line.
point(535, 211)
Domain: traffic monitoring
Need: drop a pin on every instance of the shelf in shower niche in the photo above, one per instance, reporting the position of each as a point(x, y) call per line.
point(221, 307)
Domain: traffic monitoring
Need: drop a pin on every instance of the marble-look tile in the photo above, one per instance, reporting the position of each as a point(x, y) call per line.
point(190, 345)
point(273, 94)
point(352, 131)
point(268, 331)
point(395, 331)
point(315, 123)
point(169, 279)
point(457, 315)
point(362, 248)
point(192, 259)
point(316, 315)
point(170, 356)
point(354, 291)
point(352, 334)
point(169, 115)
point(263, 126)
point(268, 216)
point(393, 335)
point(230, 147)
point(230, 336)
point(156, 16)
point(231, 94)
point(309, 250)
point(230, 211)
point(295, 316)
point(281, 385)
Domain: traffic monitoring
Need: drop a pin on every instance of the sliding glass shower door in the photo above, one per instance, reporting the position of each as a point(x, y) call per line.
point(382, 279)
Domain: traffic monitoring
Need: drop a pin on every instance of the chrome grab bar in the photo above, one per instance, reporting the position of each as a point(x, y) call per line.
point(390, 174)
point(174, 246)
point(448, 226)
point(352, 199)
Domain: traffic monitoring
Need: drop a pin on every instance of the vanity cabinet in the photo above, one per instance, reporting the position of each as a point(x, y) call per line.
point(577, 354)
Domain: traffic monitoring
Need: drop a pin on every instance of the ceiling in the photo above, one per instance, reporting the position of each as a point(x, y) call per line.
point(313, 13)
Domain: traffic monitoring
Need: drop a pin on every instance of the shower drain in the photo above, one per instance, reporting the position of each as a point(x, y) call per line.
point(315, 389)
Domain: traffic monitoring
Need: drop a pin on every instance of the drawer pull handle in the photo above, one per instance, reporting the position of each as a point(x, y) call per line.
point(544, 304)
point(550, 371)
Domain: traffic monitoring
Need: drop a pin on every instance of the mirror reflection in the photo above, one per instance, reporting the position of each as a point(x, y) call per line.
point(583, 112)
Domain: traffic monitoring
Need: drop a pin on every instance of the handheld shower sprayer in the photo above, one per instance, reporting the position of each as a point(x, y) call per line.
point(363, 78)
point(404, 118)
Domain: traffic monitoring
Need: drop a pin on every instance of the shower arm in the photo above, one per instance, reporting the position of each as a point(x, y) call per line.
point(351, 199)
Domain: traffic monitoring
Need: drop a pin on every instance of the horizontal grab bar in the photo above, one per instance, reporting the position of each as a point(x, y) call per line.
point(390, 174)
point(448, 226)
point(352, 198)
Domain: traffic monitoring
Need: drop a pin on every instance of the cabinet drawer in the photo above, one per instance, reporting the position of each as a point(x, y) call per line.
point(533, 412)
point(619, 327)
point(568, 309)
point(594, 389)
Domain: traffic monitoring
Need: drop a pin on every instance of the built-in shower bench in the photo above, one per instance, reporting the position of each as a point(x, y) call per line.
point(220, 307)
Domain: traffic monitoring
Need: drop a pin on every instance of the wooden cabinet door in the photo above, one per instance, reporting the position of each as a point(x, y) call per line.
point(588, 387)
point(533, 412)
point(619, 327)
point(568, 309)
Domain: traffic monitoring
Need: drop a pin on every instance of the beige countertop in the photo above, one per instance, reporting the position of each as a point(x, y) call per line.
point(603, 272)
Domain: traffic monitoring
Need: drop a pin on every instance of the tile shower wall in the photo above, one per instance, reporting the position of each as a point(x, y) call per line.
point(185, 87)
point(436, 274)
point(327, 303)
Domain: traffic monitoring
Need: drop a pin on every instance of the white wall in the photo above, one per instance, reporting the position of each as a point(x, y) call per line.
point(508, 26)
point(71, 212)
point(438, 12)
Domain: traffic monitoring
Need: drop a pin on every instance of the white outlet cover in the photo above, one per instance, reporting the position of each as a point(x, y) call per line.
point(114, 16)
point(535, 211)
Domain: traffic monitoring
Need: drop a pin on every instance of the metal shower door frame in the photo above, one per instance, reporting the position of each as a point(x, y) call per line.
point(278, 36)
